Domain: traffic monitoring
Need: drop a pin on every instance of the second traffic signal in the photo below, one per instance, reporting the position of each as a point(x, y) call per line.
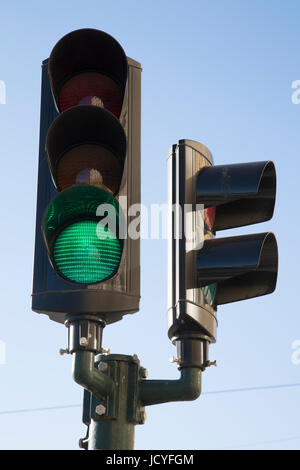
point(204, 271)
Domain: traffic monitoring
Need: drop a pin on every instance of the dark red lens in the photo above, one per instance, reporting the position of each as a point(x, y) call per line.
point(91, 88)
point(209, 217)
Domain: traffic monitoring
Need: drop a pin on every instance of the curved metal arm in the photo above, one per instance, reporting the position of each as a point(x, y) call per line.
point(86, 375)
point(188, 387)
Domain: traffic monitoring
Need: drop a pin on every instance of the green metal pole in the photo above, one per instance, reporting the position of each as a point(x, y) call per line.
point(120, 392)
point(116, 389)
point(115, 429)
point(188, 387)
point(85, 374)
point(113, 407)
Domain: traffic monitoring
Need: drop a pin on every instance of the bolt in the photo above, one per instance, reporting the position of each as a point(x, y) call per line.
point(102, 366)
point(174, 359)
point(142, 417)
point(105, 351)
point(83, 341)
point(100, 410)
point(143, 373)
point(211, 363)
point(83, 443)
point(63, 351)
point(135, 358)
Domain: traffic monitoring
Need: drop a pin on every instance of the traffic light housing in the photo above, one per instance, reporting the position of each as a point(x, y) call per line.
point(89, 174)
point(205, 271)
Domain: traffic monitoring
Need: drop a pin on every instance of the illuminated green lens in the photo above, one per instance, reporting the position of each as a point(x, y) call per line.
point(209, 293)
point(87, 252)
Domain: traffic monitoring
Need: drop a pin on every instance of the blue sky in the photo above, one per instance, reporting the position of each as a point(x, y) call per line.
point(218, 72)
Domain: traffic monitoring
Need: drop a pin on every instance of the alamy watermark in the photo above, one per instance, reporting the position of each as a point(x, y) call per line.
point(141, 222)
point(295, 357)
point(2, 92)
point(296, 94)
point(2, 352)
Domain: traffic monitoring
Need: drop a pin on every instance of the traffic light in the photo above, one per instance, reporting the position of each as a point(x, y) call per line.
point(204, 271)
point(89, 174)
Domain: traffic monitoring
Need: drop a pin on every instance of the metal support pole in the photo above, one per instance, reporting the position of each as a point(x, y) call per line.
point(112, 420)
point(85, 374)
point(188, 387)
point(116, 389)
point(111, 407)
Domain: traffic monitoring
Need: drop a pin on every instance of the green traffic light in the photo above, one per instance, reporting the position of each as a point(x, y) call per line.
point(209, 293)
point(83, 246)
point(87, 254)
